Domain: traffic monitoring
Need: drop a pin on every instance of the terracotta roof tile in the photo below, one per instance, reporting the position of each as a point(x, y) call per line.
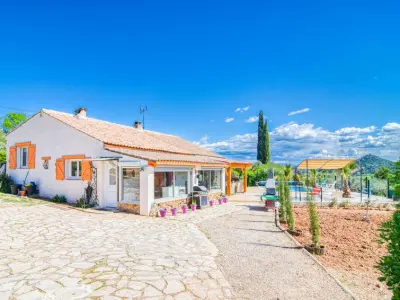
point(165, 157)
point(122, 135)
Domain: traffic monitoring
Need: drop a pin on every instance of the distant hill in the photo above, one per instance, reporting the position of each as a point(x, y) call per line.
point(371, 163)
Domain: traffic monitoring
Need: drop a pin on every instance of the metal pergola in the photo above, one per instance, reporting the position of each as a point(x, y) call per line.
point(324, 164)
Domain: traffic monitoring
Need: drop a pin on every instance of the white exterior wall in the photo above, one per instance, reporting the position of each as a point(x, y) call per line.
point(146, 190)
point(54, 138)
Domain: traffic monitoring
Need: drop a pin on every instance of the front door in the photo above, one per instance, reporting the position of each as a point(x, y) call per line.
point(111, 185)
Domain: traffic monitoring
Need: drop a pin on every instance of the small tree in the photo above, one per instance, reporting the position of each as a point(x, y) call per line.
point(282, 199)
point(389, 265)
point(315, 228)
point(289, 207)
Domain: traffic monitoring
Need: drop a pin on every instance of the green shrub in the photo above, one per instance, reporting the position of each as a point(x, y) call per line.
point(59, 199)
point(5, 183)
point(315, 228)
point(397, 190)
point(82, 203)
point(289, 206)
point(282, 200)
point(333, 203)
point(389, 265)
point(345, 203)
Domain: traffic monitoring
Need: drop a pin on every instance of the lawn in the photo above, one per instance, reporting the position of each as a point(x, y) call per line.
point(8, 199)
point(352, 247)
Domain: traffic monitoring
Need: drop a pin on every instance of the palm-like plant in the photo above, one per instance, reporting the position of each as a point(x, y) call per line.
point(287, 172)
point(346, 172)
point(314, 175)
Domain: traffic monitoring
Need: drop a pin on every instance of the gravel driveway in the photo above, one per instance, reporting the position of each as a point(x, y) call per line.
point(261, 262)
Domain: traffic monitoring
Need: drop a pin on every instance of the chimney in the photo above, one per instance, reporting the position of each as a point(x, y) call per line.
point(138, 125)
point(80, 113)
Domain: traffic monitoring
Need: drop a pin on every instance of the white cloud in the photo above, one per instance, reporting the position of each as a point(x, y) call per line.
point(242, 109)
point(355, 130)
point(391, 127)
point(297, 112)
point(228, 120)
point(252, 119)
point(292, 142)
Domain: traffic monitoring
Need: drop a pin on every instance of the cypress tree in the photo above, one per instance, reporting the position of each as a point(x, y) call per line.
point(261, 138)
point(267, 154)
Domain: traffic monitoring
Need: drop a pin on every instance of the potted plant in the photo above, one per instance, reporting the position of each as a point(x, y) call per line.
point(211, 202)
point(194, 205)
point(184, 208)
point(225, 199)
point(220, 200)
point(30, 188)
point(174, 210)
point(14, 188)
point(163, 212)
point(22, 192)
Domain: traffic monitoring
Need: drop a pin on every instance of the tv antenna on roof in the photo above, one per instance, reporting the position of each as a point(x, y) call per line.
point(143, 110)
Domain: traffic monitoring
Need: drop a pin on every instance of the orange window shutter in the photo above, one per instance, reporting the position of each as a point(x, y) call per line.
point(13, 158)
point(31, 156)
point(60, 169)
point(86, 170)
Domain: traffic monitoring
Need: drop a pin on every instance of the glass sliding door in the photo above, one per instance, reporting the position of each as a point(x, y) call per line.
point(130, 184)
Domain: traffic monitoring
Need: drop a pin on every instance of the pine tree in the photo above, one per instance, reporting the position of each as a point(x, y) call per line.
point(261, 138)
point(267, 154)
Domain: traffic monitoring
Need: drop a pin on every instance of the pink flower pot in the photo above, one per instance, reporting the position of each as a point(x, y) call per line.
point(194, 207)
point(211, 202)
point(163, 213)
point(174, 211)
point(220, 201)
point(225, 200)
point(184, 209)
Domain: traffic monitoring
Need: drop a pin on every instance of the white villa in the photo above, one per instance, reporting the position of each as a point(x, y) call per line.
point(129, 168)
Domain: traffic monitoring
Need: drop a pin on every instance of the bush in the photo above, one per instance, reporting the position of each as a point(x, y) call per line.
point(389, 265)
point(289, 207)
point(345, 203)
point(59, 199)
point(397, 190)
point(282, 200)
point(333, 203)
point(315, 228)
point(5, 183)
point(82, 203)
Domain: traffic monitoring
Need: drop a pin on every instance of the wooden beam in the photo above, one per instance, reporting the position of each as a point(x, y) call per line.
point(23, 144)
point(46, 157)
point(244, 180)
point(80, 156)
point(228, 180)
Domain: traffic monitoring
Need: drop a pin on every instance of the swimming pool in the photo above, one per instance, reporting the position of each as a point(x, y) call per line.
point(298, 188)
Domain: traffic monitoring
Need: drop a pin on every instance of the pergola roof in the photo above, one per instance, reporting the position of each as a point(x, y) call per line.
point(324, 164)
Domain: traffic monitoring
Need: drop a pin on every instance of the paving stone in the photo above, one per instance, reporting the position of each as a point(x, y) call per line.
point(104, 291)
point(81, 265)
point(31, 296)
point(128, 293)
point(174, 287)
point(151, 292)
point(184, 296)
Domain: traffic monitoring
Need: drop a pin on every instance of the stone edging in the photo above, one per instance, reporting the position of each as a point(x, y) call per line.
point(316, 261)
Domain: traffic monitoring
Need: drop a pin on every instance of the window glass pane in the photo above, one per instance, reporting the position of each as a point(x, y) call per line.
point(80, 168)
point(163, 185)
point(130, 184)
point(113, 176)
point(74, 168)
point(216, 179)
point(181, 183)
point(23, 157)
point(204, 179)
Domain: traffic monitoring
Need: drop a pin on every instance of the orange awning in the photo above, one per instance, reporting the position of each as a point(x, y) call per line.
point(324, 164)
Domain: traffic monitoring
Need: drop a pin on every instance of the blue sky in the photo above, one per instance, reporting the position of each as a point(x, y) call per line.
point(195, 63)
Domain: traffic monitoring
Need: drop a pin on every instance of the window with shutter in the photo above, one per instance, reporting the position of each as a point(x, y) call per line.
point(31, 156)
point(86, 170)
point(60, 169)
point(13, 158)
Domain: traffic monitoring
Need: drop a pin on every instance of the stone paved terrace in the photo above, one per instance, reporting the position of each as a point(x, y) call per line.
point(55, 252)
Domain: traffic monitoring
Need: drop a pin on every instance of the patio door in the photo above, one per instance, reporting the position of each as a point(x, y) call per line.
point(111, 186)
